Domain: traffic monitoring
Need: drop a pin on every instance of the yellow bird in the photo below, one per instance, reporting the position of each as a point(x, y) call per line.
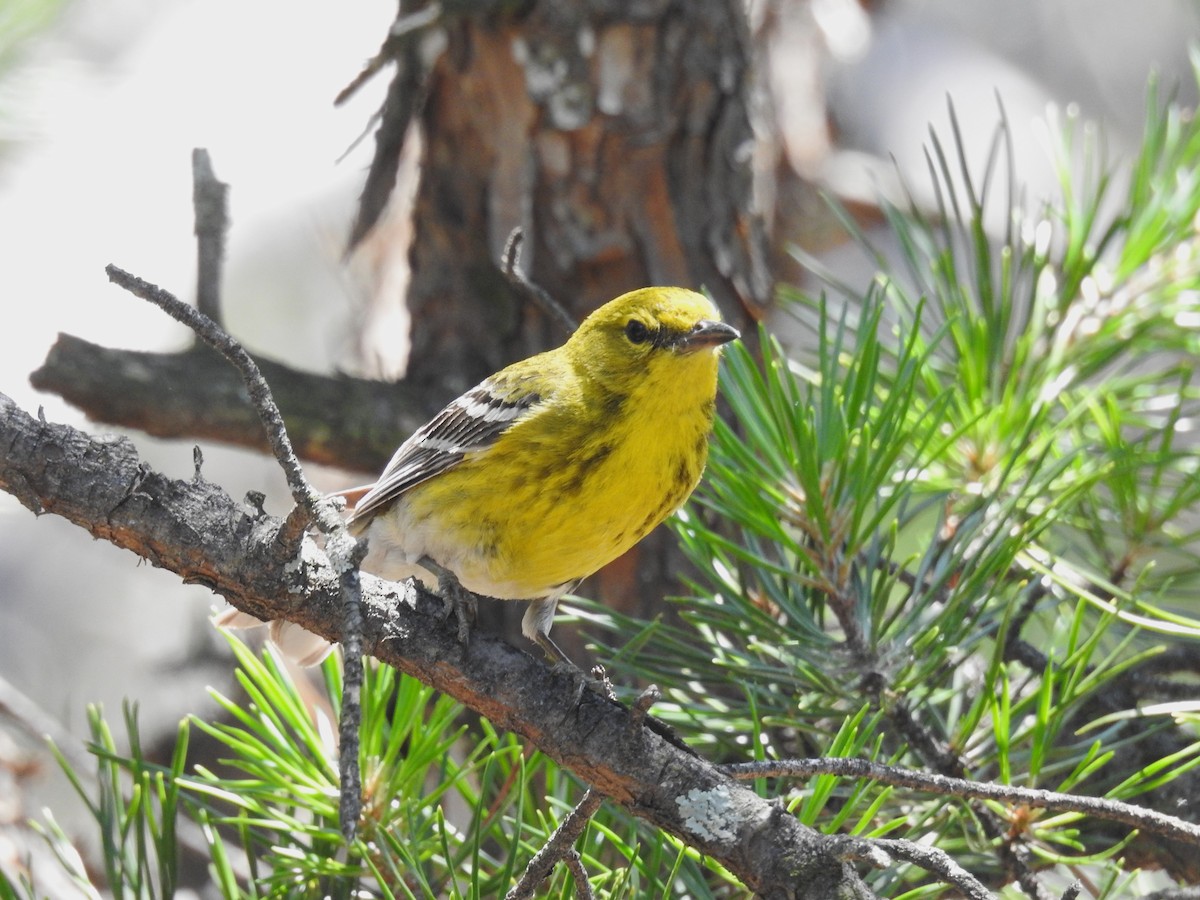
point(551, 468)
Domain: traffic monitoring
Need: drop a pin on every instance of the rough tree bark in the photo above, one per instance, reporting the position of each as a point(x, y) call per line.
point(194, 529)
point(340, 421)
point(616, 134)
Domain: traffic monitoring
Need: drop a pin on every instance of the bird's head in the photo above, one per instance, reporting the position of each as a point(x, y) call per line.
point(651, 332)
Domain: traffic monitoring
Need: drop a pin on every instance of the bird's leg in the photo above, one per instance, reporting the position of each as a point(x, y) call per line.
point(536, 626)
point(456, 599)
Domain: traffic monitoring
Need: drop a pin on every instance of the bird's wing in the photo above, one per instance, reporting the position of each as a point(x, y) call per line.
point(469, 424)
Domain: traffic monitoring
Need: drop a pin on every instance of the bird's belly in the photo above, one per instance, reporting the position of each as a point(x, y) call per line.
point(533, 533)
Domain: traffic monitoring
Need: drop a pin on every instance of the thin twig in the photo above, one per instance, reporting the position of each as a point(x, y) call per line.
point(343, 549)
point(260, 394)
point(209, 201)
point(402, 104)
point(510, 266)
point(405, 25)
point(642, 704)
point(574, 863)
point(292, 533)
point(351, 551)
point(881, 853)
point(1112, 810)
point(1013, 854)
point(557, 848)
point(931, 859)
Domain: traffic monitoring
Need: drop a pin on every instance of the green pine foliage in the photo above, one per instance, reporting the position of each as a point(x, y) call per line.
point(958, 533)
point(961, 533)
point(452, 809)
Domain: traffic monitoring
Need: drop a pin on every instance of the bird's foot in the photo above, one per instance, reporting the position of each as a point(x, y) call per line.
point(596, 680)
point(459, 602)
point(456, 599)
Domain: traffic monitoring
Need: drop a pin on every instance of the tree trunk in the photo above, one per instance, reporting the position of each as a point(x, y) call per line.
point(617, 135)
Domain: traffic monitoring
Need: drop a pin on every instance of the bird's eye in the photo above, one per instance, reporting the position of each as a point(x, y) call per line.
point(637, 332)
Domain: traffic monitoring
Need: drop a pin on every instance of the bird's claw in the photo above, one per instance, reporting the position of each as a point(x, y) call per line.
point(596, 679)
point(459, 602)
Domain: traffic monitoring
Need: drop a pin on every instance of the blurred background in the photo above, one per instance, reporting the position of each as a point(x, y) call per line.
point(102, 102)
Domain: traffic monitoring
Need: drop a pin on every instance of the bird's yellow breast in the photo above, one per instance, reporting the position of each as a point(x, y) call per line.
point(618, 482)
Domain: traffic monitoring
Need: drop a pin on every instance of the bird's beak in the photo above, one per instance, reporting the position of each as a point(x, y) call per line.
point(707, 334)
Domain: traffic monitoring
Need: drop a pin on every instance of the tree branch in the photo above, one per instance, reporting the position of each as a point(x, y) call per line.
point(514, 272)
point(209, 200)
point(405, 96)
point(345, 551)
point(1099, 807)
point(333, 420)
point(560, 846)
point(931, 859)
point(194, 529)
